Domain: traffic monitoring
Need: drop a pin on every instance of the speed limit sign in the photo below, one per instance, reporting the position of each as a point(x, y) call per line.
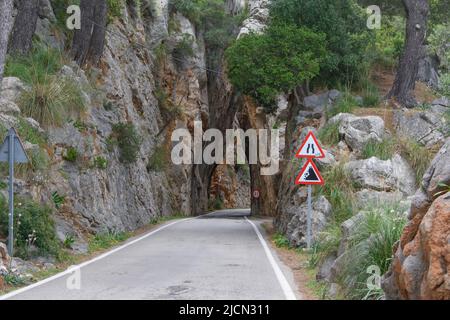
point(256, 194)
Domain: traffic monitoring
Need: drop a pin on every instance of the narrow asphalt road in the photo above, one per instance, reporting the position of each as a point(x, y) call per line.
point(218, 256)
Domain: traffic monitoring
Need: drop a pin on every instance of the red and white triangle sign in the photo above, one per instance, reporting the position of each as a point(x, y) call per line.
point(310, 148)
point(309, 174)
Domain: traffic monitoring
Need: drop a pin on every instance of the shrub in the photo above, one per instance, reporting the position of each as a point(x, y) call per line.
point(286, 57)
point(100, 162)
point(128, 140)
point(418, 156)
point(339, 190)
point(158, 161)
point(71, 154)
point(281, 241)
point(58, 200)
point(36, 66)
point(438, 41)
point(444, 85)
point(346, 104)
point(383, 150)
point(33, 225)
point(371, 245)
point(106, 240)
point(326, 243)
point(51, 100)
point(329, 134)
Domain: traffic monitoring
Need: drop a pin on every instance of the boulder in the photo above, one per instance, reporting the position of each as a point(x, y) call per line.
point(12, 88)
point(424, 127)
point(439, 171)
point(324, 272)
point(443, 101)
point(357, 131)
point(420, 269)
point(296, 228)
point(9, 107)
point(383, 175)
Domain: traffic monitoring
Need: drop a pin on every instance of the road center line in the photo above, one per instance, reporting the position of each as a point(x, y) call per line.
point(287, 290)
point(71, 269)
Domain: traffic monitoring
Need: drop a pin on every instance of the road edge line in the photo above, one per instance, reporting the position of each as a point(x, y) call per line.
point(285, 286)
point(71, 269)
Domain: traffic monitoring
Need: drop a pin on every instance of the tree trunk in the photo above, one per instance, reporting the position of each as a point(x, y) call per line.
point(24, 27)
point(6, 23)
point(89, 41)
point(416, 25)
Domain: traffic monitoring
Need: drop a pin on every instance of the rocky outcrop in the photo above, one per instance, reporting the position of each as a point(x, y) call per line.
point(420, 269)
point(357, 131)
point(296, 228)
point(258, 17)
point(427, 127)
point(383, 175)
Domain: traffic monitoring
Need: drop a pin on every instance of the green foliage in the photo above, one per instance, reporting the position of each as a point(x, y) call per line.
point(115, 8)
point(387, 46)
point(128, 140)
point(33, 225)
point(106, 240)
point(417, 156)
point(263, 66)
point(371, 245)
point(58, 200)
point(159, 159)
point(212, 20)
point(36, 66)
point(329, 134)
point(371, 95)
point(383, 150)
point(100, 162)
point(327, 243)
point(445, 84)
point(14, 280)
point(68, 241)
point(281, 241)
point(339, 190)
point(71, 154)
point(438, 44)
point(51, 99)
point(216, 204)
point(158, 220)
point(344, 24)
point(346, 104)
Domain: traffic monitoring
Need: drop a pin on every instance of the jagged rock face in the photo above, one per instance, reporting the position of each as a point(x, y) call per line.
point(420, 269)
point(122, 90)
point(258, 17)
point(383, 175)
point(231, 187)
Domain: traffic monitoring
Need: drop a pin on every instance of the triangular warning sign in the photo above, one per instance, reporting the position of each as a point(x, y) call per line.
point(309, 174)
point(20, 156)
point(310, 148)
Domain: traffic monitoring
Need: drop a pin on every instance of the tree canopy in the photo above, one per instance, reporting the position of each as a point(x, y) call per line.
point(263, 66)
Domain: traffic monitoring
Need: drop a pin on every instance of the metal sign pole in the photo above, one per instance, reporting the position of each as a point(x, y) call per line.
point(308, 222)
point(11, 135)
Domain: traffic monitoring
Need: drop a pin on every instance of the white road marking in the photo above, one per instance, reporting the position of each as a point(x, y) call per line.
point(287, 290)
point(71, 269)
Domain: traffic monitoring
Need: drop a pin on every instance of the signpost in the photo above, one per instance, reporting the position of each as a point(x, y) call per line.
point(12, 151)
point(309, 175)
